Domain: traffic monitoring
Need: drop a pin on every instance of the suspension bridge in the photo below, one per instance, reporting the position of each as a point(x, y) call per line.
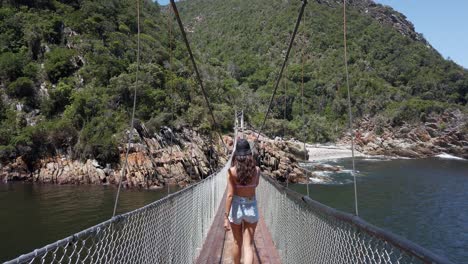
point(187, 227)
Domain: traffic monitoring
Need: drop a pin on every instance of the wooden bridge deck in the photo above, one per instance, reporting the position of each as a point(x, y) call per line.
point(218, 243)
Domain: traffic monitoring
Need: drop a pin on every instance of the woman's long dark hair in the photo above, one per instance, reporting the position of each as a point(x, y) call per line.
point(245, 168)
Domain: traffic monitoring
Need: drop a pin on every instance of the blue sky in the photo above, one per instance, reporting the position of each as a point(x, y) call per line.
point(163, 2)
point(444, 23)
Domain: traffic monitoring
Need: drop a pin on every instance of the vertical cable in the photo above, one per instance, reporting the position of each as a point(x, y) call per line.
point(285, 80)
point(280, 75)
point(132, 121)
point(197, 73)
point(171, 84)
point(302, 87)
point(302, 101)
point(349, 104)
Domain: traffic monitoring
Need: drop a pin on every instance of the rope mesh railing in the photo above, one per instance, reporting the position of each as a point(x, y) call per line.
point(170, 230)
point(305, 231)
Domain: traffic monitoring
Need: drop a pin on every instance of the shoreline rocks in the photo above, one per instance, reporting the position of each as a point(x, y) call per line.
point(444, 133)
point(152, 163)
point(183, 157)
point(279, 159)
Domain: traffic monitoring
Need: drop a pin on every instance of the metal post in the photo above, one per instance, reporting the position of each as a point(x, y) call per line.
point(235, 120)
point(242, 123)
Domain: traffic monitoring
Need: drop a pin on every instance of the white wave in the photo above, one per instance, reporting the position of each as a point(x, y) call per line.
point(373, 159)
point(324, 161)
point(448, 156)
point(323, 173)
point(349, 171)
point(328, 181)
point(316, 180)
point(347, 182)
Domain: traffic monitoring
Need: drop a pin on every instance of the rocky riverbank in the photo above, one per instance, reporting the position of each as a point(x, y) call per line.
point(169, 157)
point(175, 158)
point(443, 133)
point(280, 159)
point(184, 156)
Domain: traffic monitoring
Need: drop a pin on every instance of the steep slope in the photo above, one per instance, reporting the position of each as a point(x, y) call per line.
point(395, 74)
point(67, 71)
point(67, 74)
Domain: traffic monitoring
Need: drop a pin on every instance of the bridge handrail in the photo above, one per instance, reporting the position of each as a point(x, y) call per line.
point(71, 241)
point(410, 248)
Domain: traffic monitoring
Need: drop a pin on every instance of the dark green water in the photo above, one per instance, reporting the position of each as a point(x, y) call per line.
point(33, 215)
point(425, 201)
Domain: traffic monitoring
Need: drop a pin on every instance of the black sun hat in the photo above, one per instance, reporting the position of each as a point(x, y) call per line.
point(242, 148)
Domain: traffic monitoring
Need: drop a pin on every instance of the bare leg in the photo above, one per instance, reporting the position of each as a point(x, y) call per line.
point(249, 231)
point(237, 247)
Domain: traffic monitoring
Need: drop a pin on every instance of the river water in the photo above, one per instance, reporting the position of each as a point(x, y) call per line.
point(33, 215)
point(423, 200)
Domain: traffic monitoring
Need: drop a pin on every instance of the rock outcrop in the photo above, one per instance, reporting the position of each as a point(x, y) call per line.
point(280, 159)
point(156, 160)
point(385, 15)
point(444, 133)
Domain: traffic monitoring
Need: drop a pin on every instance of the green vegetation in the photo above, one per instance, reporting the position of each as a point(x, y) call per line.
point(67, 72)
point(391, 75)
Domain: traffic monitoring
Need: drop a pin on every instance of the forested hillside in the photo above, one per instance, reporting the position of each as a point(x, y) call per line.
point(67, 71)
point(67, 74)
point(395, 74)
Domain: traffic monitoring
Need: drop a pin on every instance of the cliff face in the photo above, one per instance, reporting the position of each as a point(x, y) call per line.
point(174, 158)
point(279, 159)
point(442, 133)
point(385, 15)
point(168, 158)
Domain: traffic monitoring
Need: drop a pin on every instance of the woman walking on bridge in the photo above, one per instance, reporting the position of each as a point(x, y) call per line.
point(241, 213)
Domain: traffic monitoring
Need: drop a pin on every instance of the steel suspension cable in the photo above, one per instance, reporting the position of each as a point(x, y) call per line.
point(171, 84)
point(205, 95)
point(285, 84)
point(132, 121)
point(291, 42)
point(302, 98)
point(349, 104)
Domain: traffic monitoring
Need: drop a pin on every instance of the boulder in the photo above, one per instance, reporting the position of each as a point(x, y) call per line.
point(298, 150)
point(432, 132)
point(321, 167)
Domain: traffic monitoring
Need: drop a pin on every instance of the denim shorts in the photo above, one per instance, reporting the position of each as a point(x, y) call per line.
point(243, 208)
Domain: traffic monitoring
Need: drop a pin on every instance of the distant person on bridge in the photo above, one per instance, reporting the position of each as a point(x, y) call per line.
point(241, 213)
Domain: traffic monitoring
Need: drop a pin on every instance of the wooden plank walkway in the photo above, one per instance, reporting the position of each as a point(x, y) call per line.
point(217, 246)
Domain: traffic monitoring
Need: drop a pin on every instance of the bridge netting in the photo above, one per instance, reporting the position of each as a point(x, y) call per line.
point(173, 229)
point(305, 231)
point(170, 230)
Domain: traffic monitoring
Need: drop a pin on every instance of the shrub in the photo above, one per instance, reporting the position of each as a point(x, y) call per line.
point(11, 65)
point(31, 70)
point(31, 143)
point(62, 134)
point(22, 87)
point(6, 153)
point(412, 110)
point(59, 98)
point(59, 64)
point(99, 140)
point(155, 123)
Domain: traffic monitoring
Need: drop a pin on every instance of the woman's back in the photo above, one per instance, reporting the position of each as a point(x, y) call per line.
point(244, 190)
point(241, 205)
